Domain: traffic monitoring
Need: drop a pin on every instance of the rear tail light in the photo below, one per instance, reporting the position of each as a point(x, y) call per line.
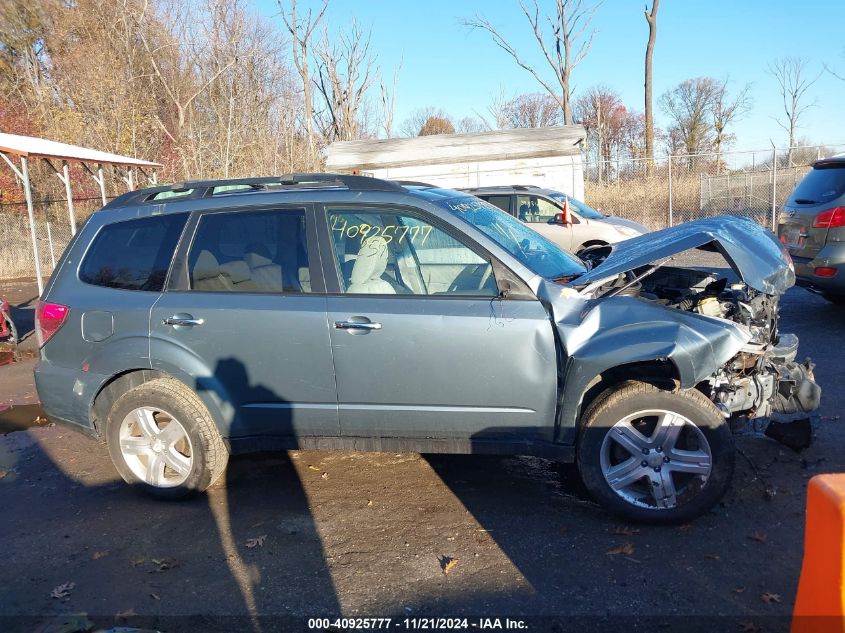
point(49, 317)
point(824, 271)
point(831, 218)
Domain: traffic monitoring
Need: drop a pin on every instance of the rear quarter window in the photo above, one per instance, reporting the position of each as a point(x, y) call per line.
point(134, 254)
point(821, 185)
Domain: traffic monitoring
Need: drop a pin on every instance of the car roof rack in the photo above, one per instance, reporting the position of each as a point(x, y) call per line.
point(414, 183)
point(194, 189)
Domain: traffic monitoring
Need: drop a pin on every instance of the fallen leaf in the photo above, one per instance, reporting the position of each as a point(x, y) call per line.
point(137, 561)
point(626, 549)
point(312, 467)
point(100, 553)
point(758, 536)
point(769, 598)
point(624, 530)
point(370, 503)
point(325, 476)
point(448, 564)
point(740, 590)
point(3, 473)
point(63, 590)
point(712, 556)
point(748, 627)
point(129, 613)
point(258, 541)
point(162, 564)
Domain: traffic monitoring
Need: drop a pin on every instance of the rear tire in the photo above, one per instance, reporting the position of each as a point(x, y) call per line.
point(655, 456)
point(162, 440)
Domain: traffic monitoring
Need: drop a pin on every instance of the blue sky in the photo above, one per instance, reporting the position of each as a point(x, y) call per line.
point(447, 65)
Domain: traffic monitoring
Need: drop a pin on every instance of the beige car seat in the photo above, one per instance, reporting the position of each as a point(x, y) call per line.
point(369, 267)
point(239, 274)
point(207, 275)
point(266, 274)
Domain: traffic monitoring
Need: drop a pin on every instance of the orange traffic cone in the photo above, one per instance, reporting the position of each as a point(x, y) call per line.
point(820, 603)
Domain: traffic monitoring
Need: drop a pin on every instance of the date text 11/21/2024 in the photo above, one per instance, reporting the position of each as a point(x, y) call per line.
point(417, 624)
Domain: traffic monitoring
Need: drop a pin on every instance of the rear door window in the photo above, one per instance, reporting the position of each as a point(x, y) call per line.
point(254, 251)
point(821, 185)
point(503, 202)
point(134, 254)
point(534, 209)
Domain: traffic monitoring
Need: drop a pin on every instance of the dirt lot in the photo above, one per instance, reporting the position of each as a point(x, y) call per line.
point(326, 534)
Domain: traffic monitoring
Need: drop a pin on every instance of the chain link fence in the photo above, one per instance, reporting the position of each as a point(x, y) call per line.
point(672, 190)
point(52, 234)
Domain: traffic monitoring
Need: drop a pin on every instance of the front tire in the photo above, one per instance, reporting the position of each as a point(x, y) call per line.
point(162, 440)
point(655, 456)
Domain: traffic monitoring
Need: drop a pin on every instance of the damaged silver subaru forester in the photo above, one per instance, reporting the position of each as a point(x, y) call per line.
point(188, 322)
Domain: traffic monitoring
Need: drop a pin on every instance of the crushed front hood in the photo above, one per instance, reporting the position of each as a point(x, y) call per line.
point(753, 252)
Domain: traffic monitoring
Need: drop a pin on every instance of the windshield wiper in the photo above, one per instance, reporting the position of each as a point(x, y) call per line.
point(805, 201)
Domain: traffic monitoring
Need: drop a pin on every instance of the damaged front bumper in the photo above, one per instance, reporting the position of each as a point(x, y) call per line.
point(778, 400)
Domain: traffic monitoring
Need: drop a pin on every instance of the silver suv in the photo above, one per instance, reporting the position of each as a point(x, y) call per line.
point(571, 224)
point(185, 323)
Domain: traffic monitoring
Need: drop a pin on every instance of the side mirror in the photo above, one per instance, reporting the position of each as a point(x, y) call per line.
point(560, 218)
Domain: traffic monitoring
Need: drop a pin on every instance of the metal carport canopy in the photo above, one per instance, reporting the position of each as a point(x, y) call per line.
point(26, 147)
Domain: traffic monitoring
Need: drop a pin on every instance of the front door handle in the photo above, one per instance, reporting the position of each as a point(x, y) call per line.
point(357, 325)
point(182, 319)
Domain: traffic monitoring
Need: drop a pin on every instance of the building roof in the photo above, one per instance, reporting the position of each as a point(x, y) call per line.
point(455, 148)
point(31, 146)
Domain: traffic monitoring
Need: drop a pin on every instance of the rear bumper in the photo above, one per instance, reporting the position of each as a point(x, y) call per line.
point(66, 395)
point(831, 256)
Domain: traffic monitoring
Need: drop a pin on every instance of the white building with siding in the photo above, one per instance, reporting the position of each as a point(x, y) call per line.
point(546, 157)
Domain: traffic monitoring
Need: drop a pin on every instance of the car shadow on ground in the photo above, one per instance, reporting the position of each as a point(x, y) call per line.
point(244, 556)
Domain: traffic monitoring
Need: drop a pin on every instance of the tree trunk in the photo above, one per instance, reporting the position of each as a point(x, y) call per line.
point(649, 114)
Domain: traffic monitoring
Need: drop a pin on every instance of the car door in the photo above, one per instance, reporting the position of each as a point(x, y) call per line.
point(422, 345)
point(537, 212)
point(247, 299)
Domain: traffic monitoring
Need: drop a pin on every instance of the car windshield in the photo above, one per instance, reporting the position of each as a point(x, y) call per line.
point(820, 185)
point(583, 209)
point(533, 250)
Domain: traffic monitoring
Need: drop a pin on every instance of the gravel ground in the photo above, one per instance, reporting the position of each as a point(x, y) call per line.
point(324, 534)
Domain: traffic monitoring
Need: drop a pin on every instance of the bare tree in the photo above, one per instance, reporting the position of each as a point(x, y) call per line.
point(564, 42)
point(416, 122)
point(388, 101)
point(791, 73)
point(726, 109)
point(301, 31)
point(498, 109)
point(689, 106)
point(470, 124)
point(345, 74)
point(531, 110)
point(601, 111)
point(651, 18)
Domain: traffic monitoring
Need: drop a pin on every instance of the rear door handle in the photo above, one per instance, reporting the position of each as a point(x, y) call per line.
point(356, 325)
point(182, 319)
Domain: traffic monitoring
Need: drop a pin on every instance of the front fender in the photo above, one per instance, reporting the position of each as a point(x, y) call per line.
point(598, 335)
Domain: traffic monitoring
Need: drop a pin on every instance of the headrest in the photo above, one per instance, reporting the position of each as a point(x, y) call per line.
point(257, 254)
point(237, 271)
point(372, 260)
point(206, 266)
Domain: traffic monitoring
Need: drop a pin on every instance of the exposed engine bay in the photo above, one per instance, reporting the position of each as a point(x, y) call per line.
point(762, 388)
